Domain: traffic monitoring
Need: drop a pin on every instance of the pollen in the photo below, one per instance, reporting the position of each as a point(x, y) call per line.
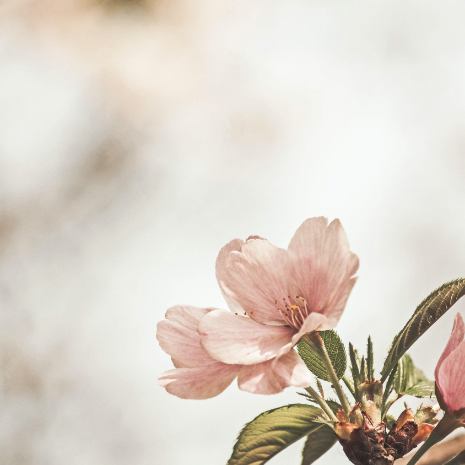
point(295, 310)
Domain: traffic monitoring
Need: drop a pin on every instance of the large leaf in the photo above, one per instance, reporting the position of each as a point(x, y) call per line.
point(336, 352)
point(317, 444)
point(410, 380)
point(273, 431)
point(426, 314)
point(423, 389)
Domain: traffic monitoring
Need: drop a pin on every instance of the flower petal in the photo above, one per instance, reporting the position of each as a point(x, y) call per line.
point(322, 266)
point(179, 338)
point(272, 378)
point(188, 316)
point(256, 278)
point(456, 337)
point(199, 382)
point(314, 322)
point(451, 379)
point(234, 246)
point(237, 339)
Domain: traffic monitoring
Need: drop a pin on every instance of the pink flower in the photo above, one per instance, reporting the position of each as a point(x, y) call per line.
point(278, 295)
point(450, 372)
point(198, 376)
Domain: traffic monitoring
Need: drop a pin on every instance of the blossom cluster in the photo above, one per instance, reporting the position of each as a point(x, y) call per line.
point(281, 300)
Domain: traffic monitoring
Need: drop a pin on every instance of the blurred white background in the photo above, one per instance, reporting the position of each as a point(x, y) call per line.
point(138, 137)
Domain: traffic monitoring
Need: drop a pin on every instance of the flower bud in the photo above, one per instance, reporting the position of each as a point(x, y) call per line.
point(356, 415)
point(406, 434)
point(371, 399)
point(450, 378)
point(341, 416)
point(343, 430)
point(424, 430)
point(404, 417)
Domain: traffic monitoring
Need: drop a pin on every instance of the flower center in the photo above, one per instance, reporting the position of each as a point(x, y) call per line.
point(294, 313)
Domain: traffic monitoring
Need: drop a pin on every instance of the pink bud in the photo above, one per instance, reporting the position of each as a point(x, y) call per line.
point(450, 372)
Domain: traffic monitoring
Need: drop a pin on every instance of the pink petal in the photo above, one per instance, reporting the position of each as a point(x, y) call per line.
point(179, 338)
point(256, 278)
point(237, 339)
point(322, 266)
point(264, 378)
point(456, 337)
point(199, 382)
point(314, 322)
point(178, 364)
point(188, 316)
point(234, 246)
point(451, 379)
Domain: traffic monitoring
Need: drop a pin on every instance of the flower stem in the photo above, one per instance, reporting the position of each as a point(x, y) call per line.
point(447, 424)
point(315, 341)
point(349, 386)
point(321, 402)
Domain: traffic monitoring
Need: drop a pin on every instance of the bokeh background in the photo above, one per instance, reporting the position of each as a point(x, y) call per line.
point(137, 137)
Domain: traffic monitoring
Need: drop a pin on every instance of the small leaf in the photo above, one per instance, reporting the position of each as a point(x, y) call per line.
point(273, 431)
point(426, 414)
point(424, 389)
point(426, 314)
point(405, 375)
point(370, 362)
point(363, 373)
point(355, 369)
point(317, 444)
point(336, 352)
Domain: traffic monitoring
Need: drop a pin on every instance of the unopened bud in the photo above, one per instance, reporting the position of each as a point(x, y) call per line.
point(343, 430)
point(424, 430)
point(341, 416)
point(404, 417)
point(356, 415)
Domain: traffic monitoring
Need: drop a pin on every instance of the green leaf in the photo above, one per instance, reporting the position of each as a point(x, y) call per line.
point(426, 414)
point(336, 352)
point(370, 362)
point(405, 374)
point(389, 386)
point(273, 431)
point(317, 444)
point(411, 381)
point(426, 314)
point(363, 373)
point(423, 389)
point(354, 368)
